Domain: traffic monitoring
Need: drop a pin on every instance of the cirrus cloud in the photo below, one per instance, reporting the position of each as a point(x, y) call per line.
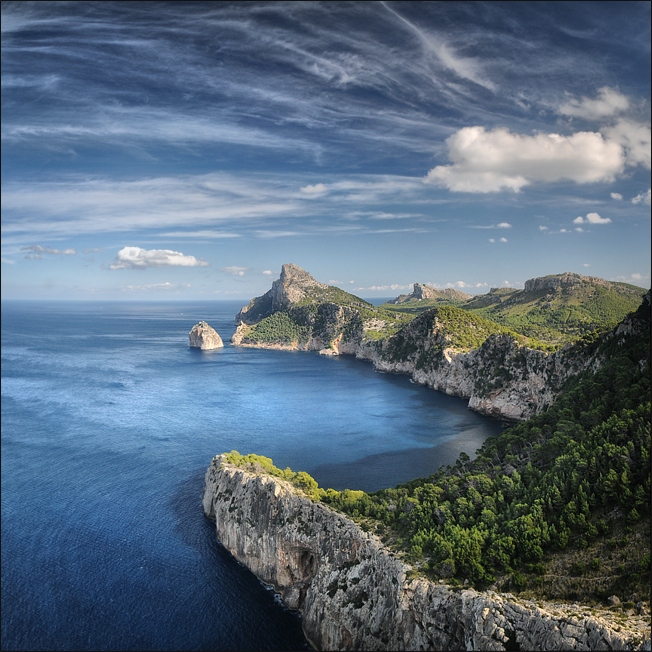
point(642, 198)
point(608, 103)
point(137, 258)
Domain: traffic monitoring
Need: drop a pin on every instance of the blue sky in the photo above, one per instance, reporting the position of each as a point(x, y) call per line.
point(188, 150)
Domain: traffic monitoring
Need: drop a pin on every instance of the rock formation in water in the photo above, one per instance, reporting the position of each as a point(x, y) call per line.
point(354, 594)
point(205, 337)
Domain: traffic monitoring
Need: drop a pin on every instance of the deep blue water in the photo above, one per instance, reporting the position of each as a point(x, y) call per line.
point(109, 421)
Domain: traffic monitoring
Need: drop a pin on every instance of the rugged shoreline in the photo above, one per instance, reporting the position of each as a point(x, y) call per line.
point(353, 593)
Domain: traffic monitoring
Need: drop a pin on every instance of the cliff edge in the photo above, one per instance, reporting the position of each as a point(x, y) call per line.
point(353, 593)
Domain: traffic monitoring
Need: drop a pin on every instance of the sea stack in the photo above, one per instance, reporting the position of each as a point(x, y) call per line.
point(202, 336)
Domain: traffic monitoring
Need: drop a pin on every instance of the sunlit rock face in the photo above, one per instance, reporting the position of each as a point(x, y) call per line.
point(354, 594)
point(203, 336)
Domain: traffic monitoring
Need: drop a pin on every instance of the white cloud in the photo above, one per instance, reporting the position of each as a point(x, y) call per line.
point(37, 250)
point(617, 196)
point(268, 272)
point(608, 103)
point(155, 286)
point(7, 261)
point(137, 258)
point(490, 161)
point(204, 233)
point(492, 239)
point(234, 270)
point(315, 190)
point(502, 225)
point(380, 288)
point(585, 265)
point(503, 240)
point(591, 218)
point(636, 278)
point(543, 228)
point(642, 198)
point(635, 139)
point(579, 229)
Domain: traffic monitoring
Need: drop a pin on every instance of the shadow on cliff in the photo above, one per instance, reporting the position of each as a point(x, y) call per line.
point(254, 617)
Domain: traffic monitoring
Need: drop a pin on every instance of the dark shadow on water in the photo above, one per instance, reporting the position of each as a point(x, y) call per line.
point(385, 470)
point(251, 615)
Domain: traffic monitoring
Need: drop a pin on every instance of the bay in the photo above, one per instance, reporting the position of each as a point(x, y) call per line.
point(109, 421)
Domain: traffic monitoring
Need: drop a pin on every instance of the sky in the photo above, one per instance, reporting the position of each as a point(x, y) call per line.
point(185, 151)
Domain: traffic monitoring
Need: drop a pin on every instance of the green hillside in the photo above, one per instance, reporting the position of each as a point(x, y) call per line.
point(575, 479)
point(554, 309)
point(566, 313)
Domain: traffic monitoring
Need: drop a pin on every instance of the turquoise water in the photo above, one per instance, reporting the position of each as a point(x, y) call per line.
point(109, 421)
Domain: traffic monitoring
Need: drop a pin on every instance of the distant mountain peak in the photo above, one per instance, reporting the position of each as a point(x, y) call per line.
point(421, 292)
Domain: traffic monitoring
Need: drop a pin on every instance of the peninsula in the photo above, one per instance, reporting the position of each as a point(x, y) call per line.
point(540, 542)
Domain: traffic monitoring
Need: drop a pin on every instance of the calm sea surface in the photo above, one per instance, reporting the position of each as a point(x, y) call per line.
point(109, 422)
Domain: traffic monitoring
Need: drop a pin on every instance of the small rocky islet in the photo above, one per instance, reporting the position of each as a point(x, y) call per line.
point(205, 337)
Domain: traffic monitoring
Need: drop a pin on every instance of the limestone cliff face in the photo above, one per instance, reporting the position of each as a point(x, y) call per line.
point(353, 594)
point(203, 336)
point(501, 378)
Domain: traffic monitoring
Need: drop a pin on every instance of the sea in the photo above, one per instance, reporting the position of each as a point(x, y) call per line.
point(109, 421)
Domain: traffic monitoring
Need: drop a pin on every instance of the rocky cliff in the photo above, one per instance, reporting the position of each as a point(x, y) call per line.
point(355, 594)
point(203, 336)
point(421, 292)
point(448, 349)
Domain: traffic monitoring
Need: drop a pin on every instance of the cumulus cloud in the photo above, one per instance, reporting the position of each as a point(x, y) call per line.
point(137, 258)
point(490, 161)
point(234, 270)
point(393, 286)
point(642, 198)
point(591, 218)
point(315, 190)
point(503, 240)
point(462, 284)
point(617, 196)
point(609, 102)
point(268, 272)
point(37, 251)
point(543, 228)
point(634, 137)
point(636, 278)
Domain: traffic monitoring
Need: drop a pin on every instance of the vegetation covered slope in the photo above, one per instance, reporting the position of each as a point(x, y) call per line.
point(574, 479)
point(568, 477)
point(299, 311)
point(554, 309)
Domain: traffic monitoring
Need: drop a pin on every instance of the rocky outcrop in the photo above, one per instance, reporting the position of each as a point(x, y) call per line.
point(557, 281)
point(421, 292)
point(501, 378)
point(203, 336)
point(354, 594)
point(290, 288)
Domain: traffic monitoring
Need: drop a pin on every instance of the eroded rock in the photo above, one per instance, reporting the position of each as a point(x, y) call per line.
point(205, 337)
